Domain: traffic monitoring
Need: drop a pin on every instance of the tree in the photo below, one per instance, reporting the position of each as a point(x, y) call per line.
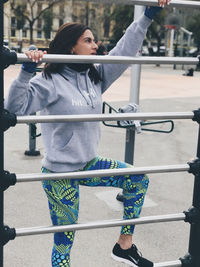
point(123, 16)
point(48, 22)
point(20, 9)
point(193, 25)
point(29, 11)
point(106, 24)
point(157, 30)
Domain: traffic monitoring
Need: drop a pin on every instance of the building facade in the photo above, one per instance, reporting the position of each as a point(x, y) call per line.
point(94, 14)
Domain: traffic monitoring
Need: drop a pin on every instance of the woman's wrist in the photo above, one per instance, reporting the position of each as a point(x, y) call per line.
point(29, 67)
point(152, 11)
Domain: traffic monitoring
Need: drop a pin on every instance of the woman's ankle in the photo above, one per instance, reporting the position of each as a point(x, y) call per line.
point(125, 241)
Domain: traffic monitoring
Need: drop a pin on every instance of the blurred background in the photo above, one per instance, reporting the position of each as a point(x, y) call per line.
point(174, 32)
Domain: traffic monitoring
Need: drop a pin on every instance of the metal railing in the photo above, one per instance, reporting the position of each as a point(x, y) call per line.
point(95, 225)
point(33, 177)
point(105, 117)
point(173, 3)
point(112, 59)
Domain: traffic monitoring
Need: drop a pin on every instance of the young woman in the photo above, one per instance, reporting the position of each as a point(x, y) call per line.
point(77, 89)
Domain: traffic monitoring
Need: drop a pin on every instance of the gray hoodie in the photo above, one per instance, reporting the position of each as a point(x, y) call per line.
point(69, 146)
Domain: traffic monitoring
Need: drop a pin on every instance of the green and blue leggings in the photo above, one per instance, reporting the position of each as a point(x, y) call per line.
point(63, 198)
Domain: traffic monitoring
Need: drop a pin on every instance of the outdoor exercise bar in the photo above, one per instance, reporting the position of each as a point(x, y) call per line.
point(177, 263)
point(111, 59)
point(173, 3)
point(33, 177)
point(105, 117)
point(103, 224)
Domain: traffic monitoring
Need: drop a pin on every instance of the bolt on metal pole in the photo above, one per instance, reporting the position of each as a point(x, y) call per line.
point(194, 242)
point(1, 134)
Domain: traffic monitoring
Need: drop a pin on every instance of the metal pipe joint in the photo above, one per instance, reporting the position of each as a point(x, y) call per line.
point(187, 260)
point(7, 234)
point(194, 167)
point(7, 179)
point(196, 114)
point(192, 215)
point(7, 58)
point(7, 120)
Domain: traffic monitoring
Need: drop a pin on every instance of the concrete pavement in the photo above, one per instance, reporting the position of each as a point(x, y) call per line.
point(162, 89)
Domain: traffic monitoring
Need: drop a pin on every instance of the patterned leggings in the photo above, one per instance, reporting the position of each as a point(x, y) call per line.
point(63, 198)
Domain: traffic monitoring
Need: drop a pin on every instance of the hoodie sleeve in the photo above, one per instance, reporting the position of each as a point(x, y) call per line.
point(128, 45)
point(28, 95)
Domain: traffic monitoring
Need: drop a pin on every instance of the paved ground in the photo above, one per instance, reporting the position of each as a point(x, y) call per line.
point(162, 89)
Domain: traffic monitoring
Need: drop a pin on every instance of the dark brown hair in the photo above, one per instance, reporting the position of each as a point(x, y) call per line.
point(63, 42)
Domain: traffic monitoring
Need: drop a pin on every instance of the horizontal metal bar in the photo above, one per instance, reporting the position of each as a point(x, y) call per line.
point(102, 224)
point(33, 177)
point(173, 3)
point(105, 117)
point(168, 264)
point(111, 59)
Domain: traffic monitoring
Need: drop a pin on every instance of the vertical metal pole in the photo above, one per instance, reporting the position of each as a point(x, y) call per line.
point(171, 52)
point(134, 97)
point(32, 141)
point(195, 227)
point(32, 129)
point(181, 50)
point(1, 133)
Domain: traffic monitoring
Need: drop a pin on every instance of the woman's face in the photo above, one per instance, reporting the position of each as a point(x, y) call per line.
point(85, 44)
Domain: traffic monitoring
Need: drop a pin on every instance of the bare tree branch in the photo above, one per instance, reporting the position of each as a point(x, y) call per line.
point(48, 7)
point(34, 2)
point(31, 16)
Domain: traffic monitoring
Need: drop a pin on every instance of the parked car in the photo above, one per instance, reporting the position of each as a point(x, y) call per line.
point(152, 50)
point(193, 52)
point(145, 51)
point(162, 51)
